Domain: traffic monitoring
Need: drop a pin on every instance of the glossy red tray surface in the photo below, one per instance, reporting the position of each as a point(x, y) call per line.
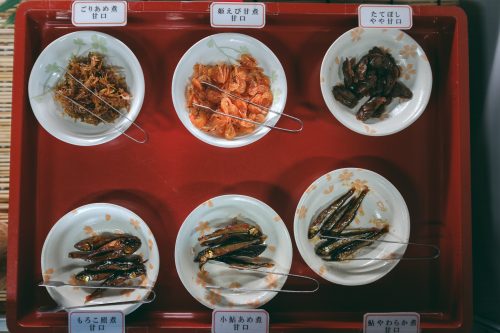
point(164, 180)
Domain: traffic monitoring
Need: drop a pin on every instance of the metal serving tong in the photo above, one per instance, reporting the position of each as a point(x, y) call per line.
point(213, 86)
point(104, 101)
point(56, 284)
point(437, 251)
point(316, 283)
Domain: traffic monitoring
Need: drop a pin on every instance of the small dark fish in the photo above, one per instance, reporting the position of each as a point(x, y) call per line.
point(237, 227)
point(327, 212)
point(325, 248)
point(349, 215)
point(361, 69)
point(365, 87)
point(348, 71)
point(352, 232)
point(246, 262)
point(117, 279)
point(250, 252)
point(105, 255)
point(87, 276)
point(95, 256)
point(214, 252)
point(345, 96)
point(347, 251)
point(400, 90)
point(228, 239)
point(79, 254)
point(128, 244)
point(335, 217)
point(367, 110)
point(377, 61)
point(376, 50)
point(381, 109)
point(389, 83)
point(110, 265)
point(135, 258)
point(95, 242)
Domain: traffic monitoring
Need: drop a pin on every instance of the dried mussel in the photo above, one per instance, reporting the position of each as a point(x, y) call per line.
point(375, 76)
point(237, 244)
point(112, 260)
point(333, 221)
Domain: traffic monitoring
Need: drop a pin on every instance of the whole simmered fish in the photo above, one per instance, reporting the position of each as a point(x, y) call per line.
point(348, 249)
point(350, 213)
point(115, 248)
point(95, 242)
point(118, 278)
point(252, 263)
point(329, 245)
point(236, 227)
point(316, 224)
point(218, 251)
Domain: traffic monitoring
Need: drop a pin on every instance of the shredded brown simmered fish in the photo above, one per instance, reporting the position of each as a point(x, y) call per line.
point(103, 80)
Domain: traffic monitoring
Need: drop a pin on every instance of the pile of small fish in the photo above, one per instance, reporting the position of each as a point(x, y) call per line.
point(113, 260)
point(375, 76)
point(238, 245)
point(333, 221)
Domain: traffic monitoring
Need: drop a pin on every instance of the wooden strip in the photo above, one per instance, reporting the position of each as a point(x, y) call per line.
point(6, 69)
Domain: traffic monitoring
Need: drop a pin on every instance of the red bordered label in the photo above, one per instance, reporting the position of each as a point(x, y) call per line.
point(392, 322)
point(237, 15)
point(236, 321)
point(96, 321)
point(99, 13)
point(385, 16)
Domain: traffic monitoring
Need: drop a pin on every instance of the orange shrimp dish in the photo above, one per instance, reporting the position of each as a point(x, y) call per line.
point(245, 80)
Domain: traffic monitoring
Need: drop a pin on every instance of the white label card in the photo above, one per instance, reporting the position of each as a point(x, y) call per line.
point(237, 15)
point(391, 322)
point(385, 16)
point(99, 13)
point(96, 321)
point(240, 321)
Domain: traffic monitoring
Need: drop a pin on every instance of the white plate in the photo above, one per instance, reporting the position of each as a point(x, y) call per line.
point(416, 75)
point(203, 220)
point(82, 223)
point(210, 50)
point(382, 204)
point(46, 73)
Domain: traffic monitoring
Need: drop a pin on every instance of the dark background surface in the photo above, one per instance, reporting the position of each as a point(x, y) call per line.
point(484, 52)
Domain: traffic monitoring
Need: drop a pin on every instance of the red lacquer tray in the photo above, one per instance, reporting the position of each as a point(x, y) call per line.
point(163, 180)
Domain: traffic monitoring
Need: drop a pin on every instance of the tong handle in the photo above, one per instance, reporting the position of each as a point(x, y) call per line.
point(437, 251)
point(51, 309)
point(56, 284)
point(297, 276)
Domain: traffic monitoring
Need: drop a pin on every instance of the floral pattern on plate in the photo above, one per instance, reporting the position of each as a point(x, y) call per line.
point(204, 219)
point(87, 221)
point(416, 75)
point(382, 205)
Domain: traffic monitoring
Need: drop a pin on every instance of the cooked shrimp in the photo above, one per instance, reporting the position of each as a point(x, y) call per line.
point(245, 80)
